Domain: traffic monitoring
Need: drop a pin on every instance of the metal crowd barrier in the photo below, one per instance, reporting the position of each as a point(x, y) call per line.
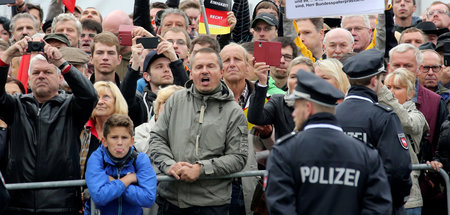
point(443, 174)
point(76, 183)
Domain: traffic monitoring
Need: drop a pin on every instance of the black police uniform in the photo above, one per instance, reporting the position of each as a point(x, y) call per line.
point(321, 170)
point(363, 118)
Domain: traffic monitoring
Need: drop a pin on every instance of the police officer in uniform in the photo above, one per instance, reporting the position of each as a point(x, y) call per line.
point(320, 170)
point(362, 117)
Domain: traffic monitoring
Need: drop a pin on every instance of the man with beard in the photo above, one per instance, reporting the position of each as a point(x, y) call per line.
point(439, 14)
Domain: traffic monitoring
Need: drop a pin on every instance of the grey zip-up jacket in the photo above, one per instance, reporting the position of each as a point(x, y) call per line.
point(206, 129)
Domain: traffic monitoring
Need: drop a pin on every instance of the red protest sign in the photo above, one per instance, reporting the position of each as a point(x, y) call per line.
point(217, 21)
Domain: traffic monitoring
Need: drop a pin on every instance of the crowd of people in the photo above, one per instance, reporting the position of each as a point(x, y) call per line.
point(337, 122)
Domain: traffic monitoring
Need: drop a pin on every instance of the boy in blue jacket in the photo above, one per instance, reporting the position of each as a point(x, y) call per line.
point(120, 180)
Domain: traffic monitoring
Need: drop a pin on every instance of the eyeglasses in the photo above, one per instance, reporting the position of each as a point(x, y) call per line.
point(90, 35)
point(265, 29)
point(179, 42)
point(435, 69)
point(441, 12)
point(287, 57)
point(357, 29)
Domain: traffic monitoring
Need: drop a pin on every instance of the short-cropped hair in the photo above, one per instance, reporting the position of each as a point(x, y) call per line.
point(118, 120)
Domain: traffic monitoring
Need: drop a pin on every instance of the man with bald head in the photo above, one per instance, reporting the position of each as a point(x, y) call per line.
point(111, 23)
point(338, 42)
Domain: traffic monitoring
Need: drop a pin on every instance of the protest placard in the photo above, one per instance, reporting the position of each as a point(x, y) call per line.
point(320, 8)
point(216, 13)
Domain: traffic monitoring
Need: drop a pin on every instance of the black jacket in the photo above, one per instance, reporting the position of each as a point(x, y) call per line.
point(45, 143)
point(323, 171)
point(362, 117)
point(275, 112)
point(141, 15)
point(442, 153)
point(129, 85)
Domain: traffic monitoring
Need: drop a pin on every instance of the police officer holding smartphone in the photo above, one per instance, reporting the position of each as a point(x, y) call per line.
point(321, 170)
point(362, 117)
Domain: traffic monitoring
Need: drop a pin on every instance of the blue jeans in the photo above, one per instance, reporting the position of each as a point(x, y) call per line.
point(413, 211)
point(237, 206)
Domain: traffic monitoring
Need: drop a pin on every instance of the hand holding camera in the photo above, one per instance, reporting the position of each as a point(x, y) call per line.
point(53, 55)
point(16, 50)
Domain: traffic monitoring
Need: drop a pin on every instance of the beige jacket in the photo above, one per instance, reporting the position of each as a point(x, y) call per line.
point(414, 125)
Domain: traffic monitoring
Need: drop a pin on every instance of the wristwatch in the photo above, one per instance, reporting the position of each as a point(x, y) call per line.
point(61, 67)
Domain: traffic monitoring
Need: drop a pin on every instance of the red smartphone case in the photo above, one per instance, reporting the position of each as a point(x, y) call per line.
point(269, 52)
point(124, 36)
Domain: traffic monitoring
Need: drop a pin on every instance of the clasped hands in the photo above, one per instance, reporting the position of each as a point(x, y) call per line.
point(185, 171)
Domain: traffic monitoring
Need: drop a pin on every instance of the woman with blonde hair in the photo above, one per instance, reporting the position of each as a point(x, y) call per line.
point(331, 71)
point(398, 92)
point(110, 101)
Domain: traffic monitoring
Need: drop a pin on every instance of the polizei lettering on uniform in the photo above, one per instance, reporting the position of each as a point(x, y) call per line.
point(329, 175)
point(358, 135)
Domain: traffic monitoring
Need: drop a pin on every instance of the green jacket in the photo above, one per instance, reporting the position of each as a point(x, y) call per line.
point(272, 88)
point(206, 129)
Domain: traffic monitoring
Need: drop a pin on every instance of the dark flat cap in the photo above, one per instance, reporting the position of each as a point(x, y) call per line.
point(427, 45)
point(74, 55)
point(315, 89)
point(268, 18)
point(149, 58)
point(47, 24)
point(365, 64)
point(441, 41)
point(57, 36)
point(430, 28)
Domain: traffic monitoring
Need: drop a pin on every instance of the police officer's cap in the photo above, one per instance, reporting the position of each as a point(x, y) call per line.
point(315, 89)
point(365, 64)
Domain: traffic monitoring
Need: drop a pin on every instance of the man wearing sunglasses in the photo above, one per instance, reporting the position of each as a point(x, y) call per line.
point(90, 28)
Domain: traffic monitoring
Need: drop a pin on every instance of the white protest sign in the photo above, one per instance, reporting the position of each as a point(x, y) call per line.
point(320, 8)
